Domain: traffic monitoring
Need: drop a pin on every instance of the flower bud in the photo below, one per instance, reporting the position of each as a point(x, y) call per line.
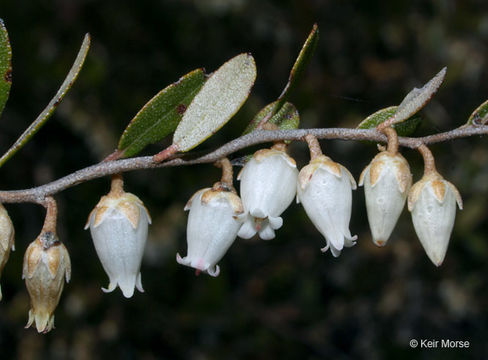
point(268, 185)
point(212, 228)
point(46, 266)
point(387, 180)
point(325, 191)
point(6, 239)
point(118, 226)
point(432, 202)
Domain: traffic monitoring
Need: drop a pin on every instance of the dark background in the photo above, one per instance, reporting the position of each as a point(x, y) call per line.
point(278, 299)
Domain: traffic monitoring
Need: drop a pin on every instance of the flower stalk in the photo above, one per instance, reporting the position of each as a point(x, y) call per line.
point(313, 145)
point(51, 215)
point(429, 161)
point(392, 137)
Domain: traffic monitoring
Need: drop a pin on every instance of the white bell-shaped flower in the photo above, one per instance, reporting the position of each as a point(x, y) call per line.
point(212, 228)
point(119, 226)
point(387, 180)
point(325, 191)
point(7, 233)
point(432, 202)
point(268, 186)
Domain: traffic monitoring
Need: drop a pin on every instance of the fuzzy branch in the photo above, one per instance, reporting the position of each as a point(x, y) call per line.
point(38, 194)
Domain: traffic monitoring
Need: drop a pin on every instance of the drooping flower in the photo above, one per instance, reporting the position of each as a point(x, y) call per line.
point(7, 233)
point(46, 266)
point(119, 227)
point(387, 180)
point(432, 202)
point(325, 191)
point(268, 186)
point(212, 227)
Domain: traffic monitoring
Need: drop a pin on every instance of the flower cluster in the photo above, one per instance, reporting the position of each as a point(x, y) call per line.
point(270, 180)
point(432, 200)
point(217, 216)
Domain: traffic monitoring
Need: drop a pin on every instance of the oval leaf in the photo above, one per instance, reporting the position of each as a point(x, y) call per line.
point(55, 101)
point(218, 100)
point(480, 115)
point(405, 128)
point(417, 98)
point(5, 66)
point(161, 115)
point(287, 118)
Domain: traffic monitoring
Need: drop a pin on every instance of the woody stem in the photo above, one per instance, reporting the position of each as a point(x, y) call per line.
point(38, 194)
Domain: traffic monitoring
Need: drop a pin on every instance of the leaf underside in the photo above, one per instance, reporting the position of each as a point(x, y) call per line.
point(5, 66)
point(480, 115)
point(217, 102)
point(405, 128)
point(161, 115)
point(416, 99)
point(53, 104)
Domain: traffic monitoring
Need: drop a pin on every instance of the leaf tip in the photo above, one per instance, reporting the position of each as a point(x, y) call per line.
point(442, 74)
point(87, 40)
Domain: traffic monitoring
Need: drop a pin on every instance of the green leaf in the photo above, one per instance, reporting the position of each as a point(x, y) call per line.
point(161, 115)
point(480, 115)
point(301, 63)
point(5, 66)
point(53, 104)
point(287, 118)
point(218, 100)
point(418, 98)
point(405, 128)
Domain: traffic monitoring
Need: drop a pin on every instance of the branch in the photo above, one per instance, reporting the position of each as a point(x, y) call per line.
point(38, 194)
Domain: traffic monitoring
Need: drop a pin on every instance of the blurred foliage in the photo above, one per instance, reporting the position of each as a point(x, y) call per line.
point(45, 114)
point(277, 299)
